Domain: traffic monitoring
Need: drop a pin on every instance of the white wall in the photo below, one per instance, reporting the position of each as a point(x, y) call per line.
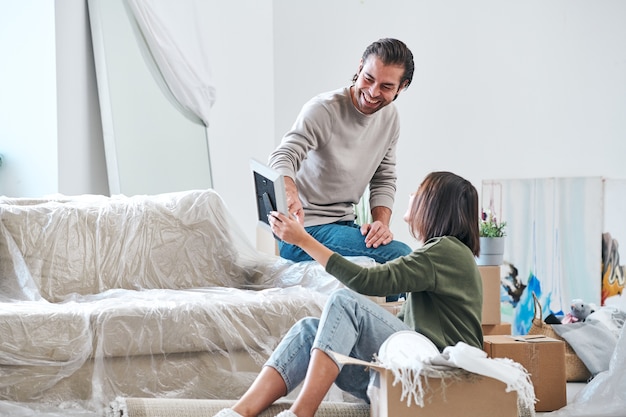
point(50, 131)
point(82, 166)
point(38, 161)
point(28, 123)
point(241, 122)
point(502, 89)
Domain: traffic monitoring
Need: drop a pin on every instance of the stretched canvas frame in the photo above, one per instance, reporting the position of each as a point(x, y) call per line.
point(554, 229)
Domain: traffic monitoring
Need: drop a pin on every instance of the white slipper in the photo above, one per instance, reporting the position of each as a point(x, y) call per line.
point(286, 413)
point(227, 412)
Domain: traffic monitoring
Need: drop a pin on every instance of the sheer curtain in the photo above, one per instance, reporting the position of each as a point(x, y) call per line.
point(177, 40)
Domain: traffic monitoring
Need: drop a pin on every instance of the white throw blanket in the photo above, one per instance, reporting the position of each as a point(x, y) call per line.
point(471, 359)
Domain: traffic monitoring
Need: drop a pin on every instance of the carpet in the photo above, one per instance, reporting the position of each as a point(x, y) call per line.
point(174, 407)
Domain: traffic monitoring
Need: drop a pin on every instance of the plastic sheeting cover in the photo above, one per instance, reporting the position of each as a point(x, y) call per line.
point(605, 394)
point(145, 296)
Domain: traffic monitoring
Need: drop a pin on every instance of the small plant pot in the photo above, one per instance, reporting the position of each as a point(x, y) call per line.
point(491, 251)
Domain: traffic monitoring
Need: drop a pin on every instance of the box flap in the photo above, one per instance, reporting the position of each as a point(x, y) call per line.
point(500, 338)
point(534, 338)
point(348, 360)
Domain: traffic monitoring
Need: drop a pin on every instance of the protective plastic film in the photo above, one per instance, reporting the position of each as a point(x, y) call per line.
point(145, 296)
point(157, 296)
point(604, 395)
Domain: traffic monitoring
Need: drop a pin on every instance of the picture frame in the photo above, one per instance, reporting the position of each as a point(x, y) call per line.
point(269, 190)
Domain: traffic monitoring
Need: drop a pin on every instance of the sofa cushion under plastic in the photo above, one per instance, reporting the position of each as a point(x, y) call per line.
point(90, 245)
point(39, 333)
point(41, 344)
point(221, 320)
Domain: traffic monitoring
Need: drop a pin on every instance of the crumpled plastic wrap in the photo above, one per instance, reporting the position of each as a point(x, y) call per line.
point(145, 296)
point(605, 394)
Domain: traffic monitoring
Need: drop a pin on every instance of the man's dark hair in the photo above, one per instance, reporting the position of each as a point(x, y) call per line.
point(392, 52)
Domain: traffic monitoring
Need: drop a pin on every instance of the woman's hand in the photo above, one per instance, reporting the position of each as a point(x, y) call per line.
point(294, 205)
point(289, 230)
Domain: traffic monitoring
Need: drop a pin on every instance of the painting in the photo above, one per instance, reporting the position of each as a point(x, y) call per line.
point(562, 243)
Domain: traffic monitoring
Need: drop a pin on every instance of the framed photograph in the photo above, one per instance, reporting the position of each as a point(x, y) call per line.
point(269, 189)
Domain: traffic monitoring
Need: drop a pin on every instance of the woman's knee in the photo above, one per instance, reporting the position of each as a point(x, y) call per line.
point(343, 298)
point(306, 326)
point(341, 293)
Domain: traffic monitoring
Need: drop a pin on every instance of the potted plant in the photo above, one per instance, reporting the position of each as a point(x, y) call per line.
point(490, 227)
point(492, 233)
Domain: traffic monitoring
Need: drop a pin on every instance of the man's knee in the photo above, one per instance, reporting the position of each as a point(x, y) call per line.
point(395, 249)
point(401, 248)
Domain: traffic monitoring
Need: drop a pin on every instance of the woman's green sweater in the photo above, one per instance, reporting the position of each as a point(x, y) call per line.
point(443, 286)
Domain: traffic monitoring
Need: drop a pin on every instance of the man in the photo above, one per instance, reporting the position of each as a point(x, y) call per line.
point(341, 142)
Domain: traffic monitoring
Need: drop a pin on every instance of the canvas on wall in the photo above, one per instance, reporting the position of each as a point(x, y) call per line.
point(613, 267)
point(555, 230)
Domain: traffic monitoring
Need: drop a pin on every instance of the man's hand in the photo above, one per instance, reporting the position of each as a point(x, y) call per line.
point(377, 233)
point(294, 205)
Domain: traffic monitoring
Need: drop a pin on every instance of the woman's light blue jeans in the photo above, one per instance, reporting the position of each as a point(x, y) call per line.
point(346, 239)
point(350, 324)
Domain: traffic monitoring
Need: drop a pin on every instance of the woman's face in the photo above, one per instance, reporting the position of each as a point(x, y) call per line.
point(407, 215)
point(411, 221)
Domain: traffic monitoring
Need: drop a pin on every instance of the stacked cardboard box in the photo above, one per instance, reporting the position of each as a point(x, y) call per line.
point(491, 294)
point(544, 359)
point(492, 318)
point(492, 329)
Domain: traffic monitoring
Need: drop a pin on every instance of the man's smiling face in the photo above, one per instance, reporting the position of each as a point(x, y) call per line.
point(377, 85)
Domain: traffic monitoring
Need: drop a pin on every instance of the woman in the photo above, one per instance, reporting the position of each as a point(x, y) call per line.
point(444, 301)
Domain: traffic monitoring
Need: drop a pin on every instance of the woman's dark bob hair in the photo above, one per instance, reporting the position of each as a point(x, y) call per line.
point(446, 205)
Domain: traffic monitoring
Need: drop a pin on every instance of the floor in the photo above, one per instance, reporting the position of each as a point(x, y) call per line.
point(40, 410)
point(43, 410)
point(572, 390)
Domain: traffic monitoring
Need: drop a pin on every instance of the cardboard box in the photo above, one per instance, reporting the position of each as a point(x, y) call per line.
point(377, 300)
point(491, 294)
point(544, 359)
point(479, 396)
point(502, 328)
point(393, 307)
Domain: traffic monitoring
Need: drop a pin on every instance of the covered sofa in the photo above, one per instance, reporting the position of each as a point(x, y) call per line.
point(144, 296)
